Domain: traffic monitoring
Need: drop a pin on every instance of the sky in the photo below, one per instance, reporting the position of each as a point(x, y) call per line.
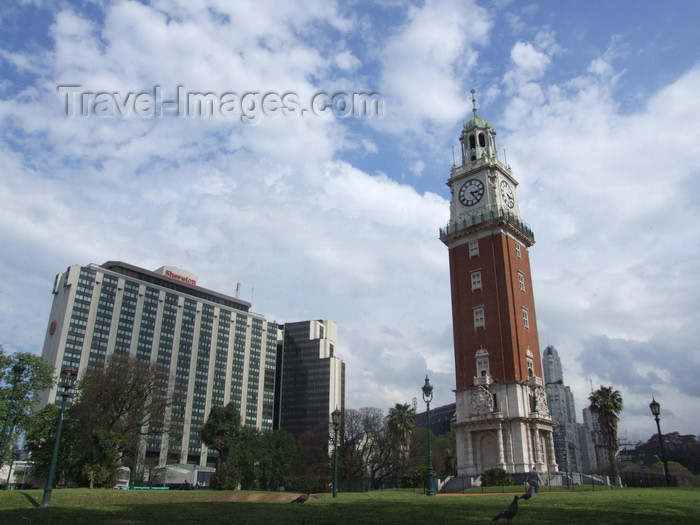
point(329, 212)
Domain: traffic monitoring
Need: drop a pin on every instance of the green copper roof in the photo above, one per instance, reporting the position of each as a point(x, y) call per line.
point(476, 122)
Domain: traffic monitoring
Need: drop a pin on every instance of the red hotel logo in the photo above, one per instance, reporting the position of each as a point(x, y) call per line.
point(183, 278)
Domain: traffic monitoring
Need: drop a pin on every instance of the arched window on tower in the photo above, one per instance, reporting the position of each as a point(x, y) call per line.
point(482, 140)
point(472, 142)
point(483, 371)
point(530, 363)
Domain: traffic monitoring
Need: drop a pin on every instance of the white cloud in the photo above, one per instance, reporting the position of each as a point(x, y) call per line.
point(347, 61)
point(529, 64)
point(426, 61)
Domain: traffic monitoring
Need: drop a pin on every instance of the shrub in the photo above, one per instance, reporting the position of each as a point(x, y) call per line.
point(495, 477)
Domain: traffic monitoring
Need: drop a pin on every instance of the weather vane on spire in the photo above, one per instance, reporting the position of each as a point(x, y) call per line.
point(473, 92)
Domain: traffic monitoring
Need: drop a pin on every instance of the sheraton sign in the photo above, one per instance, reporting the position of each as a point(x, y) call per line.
point(178, 274)
point(180, 277)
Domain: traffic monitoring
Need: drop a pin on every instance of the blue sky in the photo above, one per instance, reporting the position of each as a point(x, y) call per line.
point(596, 109)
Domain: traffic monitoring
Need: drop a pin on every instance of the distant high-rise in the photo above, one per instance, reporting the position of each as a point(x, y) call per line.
point(559, 397)
point(597, 451)
point(214, 349)
point(310, 374)
point(590, 420)
point(551, 366)
point(574, 443)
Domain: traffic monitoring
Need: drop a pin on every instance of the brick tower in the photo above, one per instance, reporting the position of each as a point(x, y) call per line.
point(502, 416)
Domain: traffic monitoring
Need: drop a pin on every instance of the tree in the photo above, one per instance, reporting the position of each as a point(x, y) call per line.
point(367, 453)
point(20, 398)
point(222, 431)
point(685, 449)
point(400, 421)
point(113, 408)
point(313, 469)
point(101, 460)
point(443, 449)
point(606, 403)
point(353, 449)
point(39, 440)
point(445, 459)
point(253, 459)
point(277, 453)
point(246, 453)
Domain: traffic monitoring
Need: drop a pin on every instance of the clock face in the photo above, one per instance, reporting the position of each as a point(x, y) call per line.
point(507, 194)
point(471, 192)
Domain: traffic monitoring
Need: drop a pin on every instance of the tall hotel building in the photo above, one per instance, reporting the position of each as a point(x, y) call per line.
point(215, 349)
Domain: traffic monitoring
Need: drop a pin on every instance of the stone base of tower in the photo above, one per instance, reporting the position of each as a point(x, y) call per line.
point(503, 425)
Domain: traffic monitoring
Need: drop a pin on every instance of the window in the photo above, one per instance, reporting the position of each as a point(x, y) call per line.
point(482, 140)
point(521, 281)
point(518, 253)
point(479, 317)
point(476, 280)
point(526, 320)
point(482, 362)
point(472, 142)
point(473, 248)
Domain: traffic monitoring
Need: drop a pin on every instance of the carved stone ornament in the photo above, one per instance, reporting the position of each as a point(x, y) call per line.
point(482, 400)
point(541, 400)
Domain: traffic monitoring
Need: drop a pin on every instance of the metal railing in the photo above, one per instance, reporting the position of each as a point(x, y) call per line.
point(480, 218)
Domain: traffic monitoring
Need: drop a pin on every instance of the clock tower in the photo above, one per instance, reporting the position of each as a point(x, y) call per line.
point(502, 419)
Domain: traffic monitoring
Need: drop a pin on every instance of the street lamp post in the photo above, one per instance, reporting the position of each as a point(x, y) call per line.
point(428, 397)
point(132, 477)
point(17, 371)
point(656, 410)
point(336, 417)
point(67, 381)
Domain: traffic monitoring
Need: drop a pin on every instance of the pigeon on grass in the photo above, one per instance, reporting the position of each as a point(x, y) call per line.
point(300, 499)
point(509, 512)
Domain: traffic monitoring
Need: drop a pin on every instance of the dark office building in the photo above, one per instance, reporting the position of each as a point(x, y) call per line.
point(440, 419)
point(311, 384)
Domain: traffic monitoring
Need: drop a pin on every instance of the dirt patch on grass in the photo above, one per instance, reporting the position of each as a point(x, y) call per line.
point(264, 496)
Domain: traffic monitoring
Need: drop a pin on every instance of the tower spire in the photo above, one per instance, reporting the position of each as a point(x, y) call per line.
point(473, 92)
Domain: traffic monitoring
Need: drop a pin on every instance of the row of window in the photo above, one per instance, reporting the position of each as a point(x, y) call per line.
point(127, 329)
point(474, 249)
point(480, 317)
point(476, 280)
point(482, 363)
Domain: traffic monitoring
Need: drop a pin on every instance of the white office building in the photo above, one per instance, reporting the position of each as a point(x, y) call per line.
point(215, 349)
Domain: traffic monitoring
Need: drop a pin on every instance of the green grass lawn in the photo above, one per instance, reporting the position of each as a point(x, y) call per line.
point(628, 506)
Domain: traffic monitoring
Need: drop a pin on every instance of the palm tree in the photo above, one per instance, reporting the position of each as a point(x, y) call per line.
point(401, 420)
point(607, 404)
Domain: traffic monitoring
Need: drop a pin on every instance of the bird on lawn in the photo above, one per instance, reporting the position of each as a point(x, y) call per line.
point(527, 495)
point(509, 512)
point(301, 498)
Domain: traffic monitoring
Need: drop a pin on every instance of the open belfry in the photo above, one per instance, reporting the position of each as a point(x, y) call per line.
point(502, 419)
